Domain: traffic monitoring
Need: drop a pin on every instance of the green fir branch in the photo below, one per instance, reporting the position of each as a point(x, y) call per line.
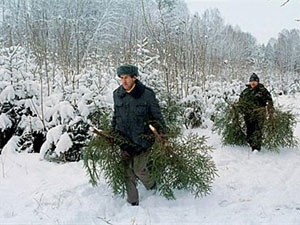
point(184, 165)
point(278, 131)
point(100, 157)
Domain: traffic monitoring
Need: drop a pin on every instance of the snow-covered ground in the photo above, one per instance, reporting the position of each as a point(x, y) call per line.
point(251, 189)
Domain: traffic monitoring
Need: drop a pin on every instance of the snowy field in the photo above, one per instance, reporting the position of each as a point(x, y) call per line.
point(251, 189)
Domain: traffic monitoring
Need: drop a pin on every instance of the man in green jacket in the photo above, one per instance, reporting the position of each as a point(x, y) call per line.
point(135, 108)
point(253, 103)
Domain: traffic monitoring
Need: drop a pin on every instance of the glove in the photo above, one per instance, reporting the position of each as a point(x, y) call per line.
point(125, 155)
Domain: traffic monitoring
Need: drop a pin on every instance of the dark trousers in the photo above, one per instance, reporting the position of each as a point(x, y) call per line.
point(136, 168)
point(254, 125)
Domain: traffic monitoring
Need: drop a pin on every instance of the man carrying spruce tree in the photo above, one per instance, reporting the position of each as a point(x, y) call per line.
point(253, 103)
point(135, 108)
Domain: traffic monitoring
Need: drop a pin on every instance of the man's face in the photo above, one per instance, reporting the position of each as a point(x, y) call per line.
point(127, 81)
point(253, 84)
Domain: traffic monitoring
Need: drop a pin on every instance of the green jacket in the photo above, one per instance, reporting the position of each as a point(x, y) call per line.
point(133, 112)
point(253, 99)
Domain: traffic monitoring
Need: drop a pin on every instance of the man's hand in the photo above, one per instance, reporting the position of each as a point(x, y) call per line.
point(93, 131)
point(125, 155)
point(165, 142)
point(160, 137)
point(110, 139)
point(271, 111)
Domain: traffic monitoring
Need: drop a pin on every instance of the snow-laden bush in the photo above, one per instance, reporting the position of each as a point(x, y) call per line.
point(5, 122)
point(33, 134)
point(67, 137)
point(193, 113)
point(19, 99)
point(10, 117)
point(48, 149)
point(171, 108)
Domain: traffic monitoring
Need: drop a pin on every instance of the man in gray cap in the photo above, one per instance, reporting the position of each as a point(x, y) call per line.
point(135, 108)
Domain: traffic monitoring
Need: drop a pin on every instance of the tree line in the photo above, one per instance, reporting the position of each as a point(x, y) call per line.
point(71, 37)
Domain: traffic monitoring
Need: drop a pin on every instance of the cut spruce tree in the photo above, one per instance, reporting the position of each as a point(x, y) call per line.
point(183, 164)
point(278, 129)
point(103, 158)
point(229, 122)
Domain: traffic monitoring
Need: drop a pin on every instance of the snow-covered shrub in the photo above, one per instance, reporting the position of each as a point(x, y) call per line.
point(6, 130)
point(100, 117)
point(10, 117)
point(193, 117)
point(169, 102)
point(33, 135)
point(67, 133)
point(19, 98)
point(53, 146)
point(65, 142)
point(79, 134)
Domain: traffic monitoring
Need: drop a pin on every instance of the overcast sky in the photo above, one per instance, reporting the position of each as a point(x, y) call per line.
point(262, 18)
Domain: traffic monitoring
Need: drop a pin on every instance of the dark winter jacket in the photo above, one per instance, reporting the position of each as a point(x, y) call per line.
point(253, 99)
point(133, 112)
